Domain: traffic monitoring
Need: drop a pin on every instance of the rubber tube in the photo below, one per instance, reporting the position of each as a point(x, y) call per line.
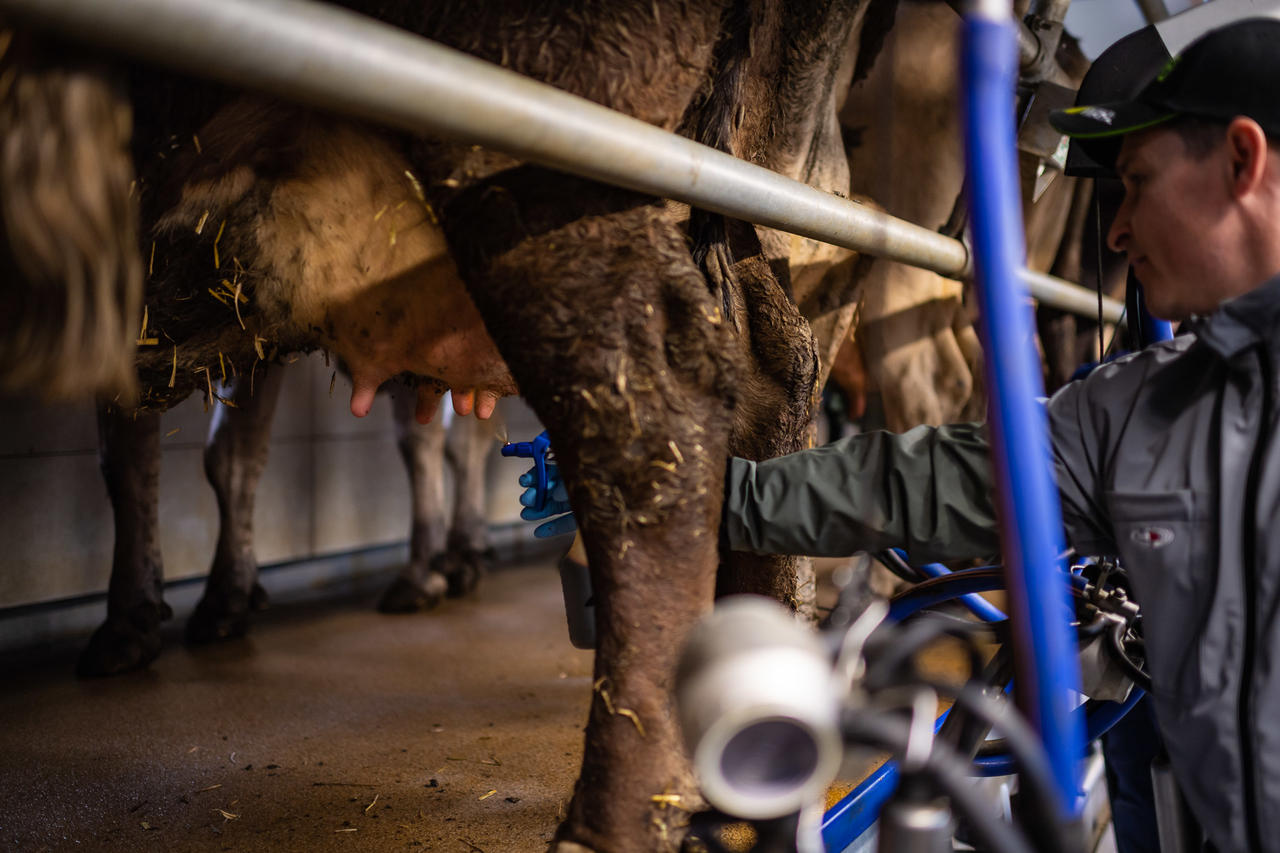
point(978, 606)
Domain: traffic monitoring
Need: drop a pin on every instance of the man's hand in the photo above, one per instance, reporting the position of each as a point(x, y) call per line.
point(557, 507)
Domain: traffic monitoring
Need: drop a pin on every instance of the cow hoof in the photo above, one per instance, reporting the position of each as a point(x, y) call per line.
point(124, 643)
point(406, 596)
point(463, 568)
point(221, 617)
point(258, 598)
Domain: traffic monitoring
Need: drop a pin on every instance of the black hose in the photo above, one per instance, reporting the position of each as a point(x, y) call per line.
point(900, 567)
point(1115, 644)
point(1089, 630)
point(890, 648)
point(961, 728)
point(998, 630)
point(998, 746)
point(889, 654)
point(946, 770)
point(1033, 765)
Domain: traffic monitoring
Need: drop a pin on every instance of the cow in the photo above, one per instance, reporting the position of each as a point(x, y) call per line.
point(446, 555)
point(915, 327)
point(649, 346)
point(270, 229)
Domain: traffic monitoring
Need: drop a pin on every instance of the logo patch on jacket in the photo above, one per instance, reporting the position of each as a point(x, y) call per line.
point(1152, 537)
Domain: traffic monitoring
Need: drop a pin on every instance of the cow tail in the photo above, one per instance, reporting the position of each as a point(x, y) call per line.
point(69, 255)
point(713, 120)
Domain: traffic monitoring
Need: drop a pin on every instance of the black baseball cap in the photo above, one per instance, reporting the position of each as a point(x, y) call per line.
point(1231, 71)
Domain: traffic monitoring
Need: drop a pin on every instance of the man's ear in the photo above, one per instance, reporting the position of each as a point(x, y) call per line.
point(1247, 150)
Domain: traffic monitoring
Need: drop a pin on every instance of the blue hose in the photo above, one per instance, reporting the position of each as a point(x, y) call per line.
point(978, 606)
point(957, 585)
point(1031, 519)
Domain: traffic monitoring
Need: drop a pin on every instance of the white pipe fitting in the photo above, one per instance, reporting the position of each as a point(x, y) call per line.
point(759, 704)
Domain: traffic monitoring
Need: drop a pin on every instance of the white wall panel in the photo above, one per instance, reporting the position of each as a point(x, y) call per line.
point(333, 483)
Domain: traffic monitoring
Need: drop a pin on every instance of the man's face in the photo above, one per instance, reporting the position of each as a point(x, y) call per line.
point(1171, 222)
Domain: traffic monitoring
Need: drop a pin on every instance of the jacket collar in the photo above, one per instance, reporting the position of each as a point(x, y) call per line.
point(1247, 320)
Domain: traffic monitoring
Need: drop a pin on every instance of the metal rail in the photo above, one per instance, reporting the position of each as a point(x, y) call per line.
point(352, 64)
point(1154, 11)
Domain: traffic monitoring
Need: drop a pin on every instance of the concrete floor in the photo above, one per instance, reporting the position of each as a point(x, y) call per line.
point(332, 727)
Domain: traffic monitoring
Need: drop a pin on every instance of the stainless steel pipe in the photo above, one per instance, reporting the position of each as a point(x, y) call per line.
point(352, 64)
point(1154, 11)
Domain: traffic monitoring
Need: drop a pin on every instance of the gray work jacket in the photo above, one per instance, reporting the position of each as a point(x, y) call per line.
point(1164, 458)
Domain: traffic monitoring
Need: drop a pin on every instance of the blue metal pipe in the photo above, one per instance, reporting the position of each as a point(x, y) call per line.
point(1031, 519)
point(846, 821)
point(857, 810)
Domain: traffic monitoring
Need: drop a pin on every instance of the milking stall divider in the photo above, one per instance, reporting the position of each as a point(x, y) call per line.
point(351, 64)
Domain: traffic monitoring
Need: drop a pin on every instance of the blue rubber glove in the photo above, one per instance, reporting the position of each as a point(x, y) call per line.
point(557, 507)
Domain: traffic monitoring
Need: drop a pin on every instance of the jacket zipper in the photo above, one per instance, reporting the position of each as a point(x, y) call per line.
point(1244, 718)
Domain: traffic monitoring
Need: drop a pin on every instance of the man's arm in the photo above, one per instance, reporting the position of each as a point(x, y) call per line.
point(927, 490)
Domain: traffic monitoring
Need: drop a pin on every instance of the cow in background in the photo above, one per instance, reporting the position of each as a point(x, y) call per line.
point(651, 350)
point(270, 229)
point(915, 329)
point(447, 553)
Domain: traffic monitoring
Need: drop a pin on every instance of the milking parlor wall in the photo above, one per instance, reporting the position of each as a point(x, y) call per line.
point(333, 484)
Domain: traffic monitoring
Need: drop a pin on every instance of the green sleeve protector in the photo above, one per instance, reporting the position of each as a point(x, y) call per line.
point(928, 491)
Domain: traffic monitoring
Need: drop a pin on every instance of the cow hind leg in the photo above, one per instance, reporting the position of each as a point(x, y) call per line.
point(468, 556)
point(774, 413)
point(129, 453)
point(234, 455)
point(623, 352)
point(419, 586)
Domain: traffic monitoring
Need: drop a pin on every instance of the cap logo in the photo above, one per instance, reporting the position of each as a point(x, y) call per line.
point(1099, 114)
point(1152, 537)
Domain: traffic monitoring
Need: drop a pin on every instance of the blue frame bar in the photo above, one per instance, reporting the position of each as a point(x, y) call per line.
point(846, 821)
point(1031, 517)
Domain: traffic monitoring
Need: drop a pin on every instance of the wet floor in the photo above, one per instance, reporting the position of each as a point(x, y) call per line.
point(332, 727)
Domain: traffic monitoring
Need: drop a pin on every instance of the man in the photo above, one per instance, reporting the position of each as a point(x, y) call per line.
point(1165, 457)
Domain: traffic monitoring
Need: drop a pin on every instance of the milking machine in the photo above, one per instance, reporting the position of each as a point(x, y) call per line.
point(765, 701)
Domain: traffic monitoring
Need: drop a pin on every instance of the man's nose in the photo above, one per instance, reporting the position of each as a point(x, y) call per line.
point(1118, 234)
